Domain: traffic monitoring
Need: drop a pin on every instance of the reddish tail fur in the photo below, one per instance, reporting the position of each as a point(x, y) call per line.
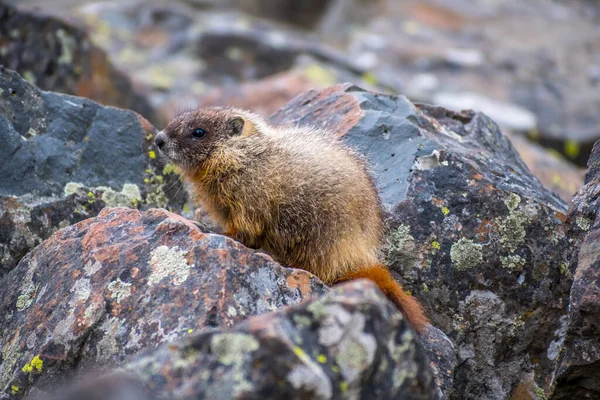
point(381, 276)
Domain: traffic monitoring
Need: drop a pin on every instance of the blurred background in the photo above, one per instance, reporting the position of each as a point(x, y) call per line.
point(533, 66)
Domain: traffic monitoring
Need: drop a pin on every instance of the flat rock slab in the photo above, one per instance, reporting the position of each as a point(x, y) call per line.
point(105, 288)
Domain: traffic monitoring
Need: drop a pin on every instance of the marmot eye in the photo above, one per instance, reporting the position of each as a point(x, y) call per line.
point(198, 133)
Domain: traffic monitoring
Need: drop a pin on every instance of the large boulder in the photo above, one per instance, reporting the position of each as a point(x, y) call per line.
point(578, 374)
point(105, 288)
point(475, 237)
point(64, 158)
point(58, 56)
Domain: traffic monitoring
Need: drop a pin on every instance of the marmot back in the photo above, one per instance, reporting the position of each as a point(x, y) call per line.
point(298, 193)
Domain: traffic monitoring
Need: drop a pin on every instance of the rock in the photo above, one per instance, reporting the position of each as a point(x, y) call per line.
point(442, 359)
point(350, 343)
point(475, 237)
point(99, 291)
point(57, 56)
point(64, 158)
point(263, 96)
point(498, 56)
point(577, 374)
point(554, 171)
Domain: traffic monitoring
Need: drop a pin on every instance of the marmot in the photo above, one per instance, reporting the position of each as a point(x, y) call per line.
point(298, 193)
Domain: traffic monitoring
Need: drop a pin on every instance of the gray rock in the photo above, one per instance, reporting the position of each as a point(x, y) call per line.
point(577, 375)
point(475, 237)
point(66, 157)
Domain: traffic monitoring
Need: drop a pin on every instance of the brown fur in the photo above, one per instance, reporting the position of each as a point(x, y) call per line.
point(298, 193)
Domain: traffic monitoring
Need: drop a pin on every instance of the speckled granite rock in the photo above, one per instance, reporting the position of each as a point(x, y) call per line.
point(64, 158)
point(578, 374)
point(105, 288)
point(472, 233)
point(57, 56)
point(349, 344)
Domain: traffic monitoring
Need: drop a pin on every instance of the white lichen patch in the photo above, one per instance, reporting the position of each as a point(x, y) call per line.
point(231, 348)
point(108, 346)
point(11, 354)
point(512, 262)
point(466, 254)
point(165, 262)
point(583, 223)
point(231, 311)
point(91, 268)
point(512, 227)
point(560, 333)
point(72, 187)
point(28, 290)
point(356, 349)
point(63, 332)
point(311, 380)
point(129, 196)
point(82, 290)
point(333, 324)
point(119, 290)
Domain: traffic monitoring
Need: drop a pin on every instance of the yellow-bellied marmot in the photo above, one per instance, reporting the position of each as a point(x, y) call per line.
point(296, 192)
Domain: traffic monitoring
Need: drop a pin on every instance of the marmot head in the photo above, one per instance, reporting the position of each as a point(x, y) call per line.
point(190, 138)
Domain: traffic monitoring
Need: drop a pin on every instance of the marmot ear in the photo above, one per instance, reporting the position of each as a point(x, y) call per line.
point(236, 125)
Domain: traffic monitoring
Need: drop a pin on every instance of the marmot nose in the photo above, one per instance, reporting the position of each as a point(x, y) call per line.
point(159, 140)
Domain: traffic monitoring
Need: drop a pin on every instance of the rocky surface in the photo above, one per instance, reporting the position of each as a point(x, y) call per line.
point(64, 158)
point(472, 233)
point(190, 53)
point(497, 57)
point(105, 288)
point(57, 56)
point(577, 375)
point(350, 343)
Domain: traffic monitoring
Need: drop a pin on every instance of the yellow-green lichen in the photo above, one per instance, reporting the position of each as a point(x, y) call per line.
point(35, 364)
point(445, 211)
point(28, 291)
point(572, 149)
point(14, 390)
point(512, 227)
point(169, 169)
point(152, 154)
point(317, 74)
point(466, 254)
point(370, 78)
point(512, 262)
point(321, 358)
point(540, 393)
point(67, 46)
point(119, 290)
point(436, 245)
point(344, 386)
point(302, 321)
point(166, 261)
point(400, 245)
point(129, 196)
point(425, 288)
point(231, 348)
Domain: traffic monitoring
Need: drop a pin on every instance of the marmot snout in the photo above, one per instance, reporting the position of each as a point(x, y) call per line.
point(298, 193)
